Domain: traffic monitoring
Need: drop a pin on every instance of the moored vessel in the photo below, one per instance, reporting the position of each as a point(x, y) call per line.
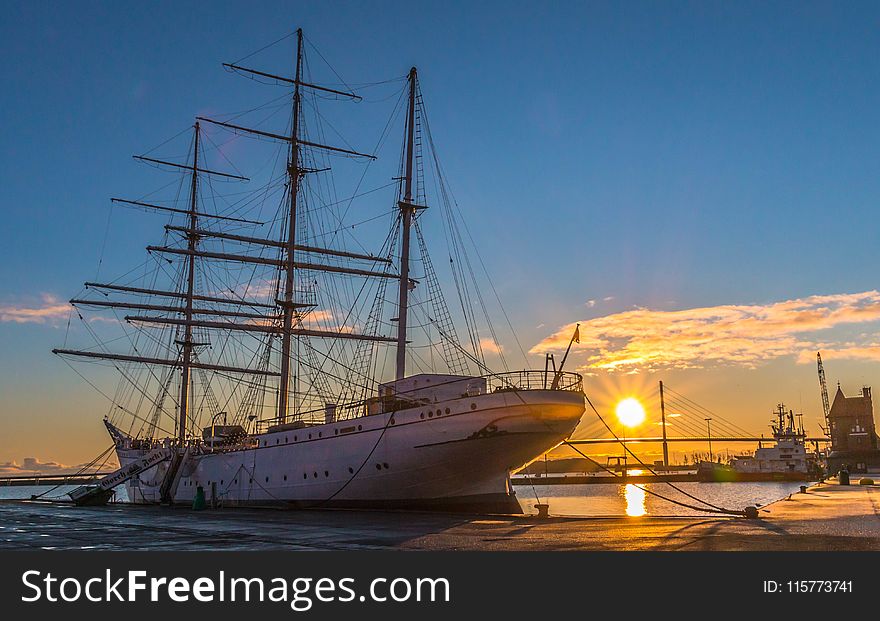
point(786, 460)
point(293, 375)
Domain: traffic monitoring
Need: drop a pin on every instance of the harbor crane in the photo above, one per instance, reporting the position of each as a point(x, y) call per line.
point(826, 408)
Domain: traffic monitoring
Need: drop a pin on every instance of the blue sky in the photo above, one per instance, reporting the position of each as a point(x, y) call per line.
point(662, 155)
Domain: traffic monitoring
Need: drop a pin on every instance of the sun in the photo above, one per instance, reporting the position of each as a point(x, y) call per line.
point(630, 412)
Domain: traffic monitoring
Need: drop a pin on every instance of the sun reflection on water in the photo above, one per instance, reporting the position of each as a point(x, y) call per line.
point(635, 500)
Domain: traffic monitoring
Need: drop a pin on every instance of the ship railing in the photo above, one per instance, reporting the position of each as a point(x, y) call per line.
point(511, 381)
point(534, 380)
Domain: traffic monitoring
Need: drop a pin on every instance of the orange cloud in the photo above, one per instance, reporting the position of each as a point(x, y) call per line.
point(49, 310)
point(729, 334)
point(490, 346)
point(870, 351)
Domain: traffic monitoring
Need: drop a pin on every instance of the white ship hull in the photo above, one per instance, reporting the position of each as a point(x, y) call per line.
point(454, 455)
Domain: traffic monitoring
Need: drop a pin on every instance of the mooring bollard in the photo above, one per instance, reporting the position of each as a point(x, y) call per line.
point(751, 512)
point(543, 510)
point(199, 500)
point(843, 477)
point(803, 489)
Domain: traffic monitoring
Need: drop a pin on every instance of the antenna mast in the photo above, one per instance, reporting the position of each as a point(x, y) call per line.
point(187, 343)
point(407, 209)
point(288, 303)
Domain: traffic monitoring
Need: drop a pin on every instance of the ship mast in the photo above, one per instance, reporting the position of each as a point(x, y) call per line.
point(407, 210)
point(287, 304)
point(187, 343)
point(288, 264)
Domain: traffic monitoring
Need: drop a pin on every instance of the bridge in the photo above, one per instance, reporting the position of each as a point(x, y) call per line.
point(20, 480)
point(690, 422)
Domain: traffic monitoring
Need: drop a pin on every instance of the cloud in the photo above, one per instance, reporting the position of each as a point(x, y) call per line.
point(746, 335)
point(590, 303)
point(32, 465)
point(490, 346)
point(48, 310)
point(870, 351)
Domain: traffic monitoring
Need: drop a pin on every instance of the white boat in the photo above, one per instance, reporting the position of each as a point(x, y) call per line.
point(787, 455)
point(309, 417)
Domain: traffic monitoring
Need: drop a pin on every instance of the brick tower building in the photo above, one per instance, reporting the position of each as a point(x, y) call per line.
point(853, 435)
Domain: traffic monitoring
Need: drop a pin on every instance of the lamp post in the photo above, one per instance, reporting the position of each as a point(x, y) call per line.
point(709, 432)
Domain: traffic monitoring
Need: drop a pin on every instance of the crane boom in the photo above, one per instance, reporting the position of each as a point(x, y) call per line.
point(826, 408)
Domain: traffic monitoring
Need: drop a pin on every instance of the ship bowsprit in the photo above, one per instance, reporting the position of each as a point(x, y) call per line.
point(101, 492)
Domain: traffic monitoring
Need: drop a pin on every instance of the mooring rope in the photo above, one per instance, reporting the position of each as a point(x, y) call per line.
point(714, 508)
point(103, 453)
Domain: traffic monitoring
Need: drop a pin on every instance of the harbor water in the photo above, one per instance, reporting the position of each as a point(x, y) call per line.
point(48, 492)
point(609, 500)
point(605, 500)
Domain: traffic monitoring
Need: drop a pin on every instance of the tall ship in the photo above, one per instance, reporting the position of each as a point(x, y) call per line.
point(287, 345)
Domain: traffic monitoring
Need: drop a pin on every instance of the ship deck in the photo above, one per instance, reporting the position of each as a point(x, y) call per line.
point(827, 517)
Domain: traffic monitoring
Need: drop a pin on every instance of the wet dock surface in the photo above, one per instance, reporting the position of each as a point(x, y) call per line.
point(827, 517)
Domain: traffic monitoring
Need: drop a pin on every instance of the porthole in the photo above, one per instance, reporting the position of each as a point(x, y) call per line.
point(250, 481)
point(315, 474)
point(378, 466)
point(320, 434)
point(392, 420)
point(384, 465)
point(430, 414)
point(305, 476)
point(285, 477)
point(335, 432)
point(326, 473)
point(221, 481)
point(235, 481)
point(277, 440)
point(285, 439)
point(350, 470)
point(310, 436)
point(447, 410)
point(438, 412)
point(295, 438)
point(473, 406)
point(359, 427)
point(422, 416)
point(267, 479)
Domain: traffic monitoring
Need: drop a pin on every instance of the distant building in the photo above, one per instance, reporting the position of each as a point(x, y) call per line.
point(853, 435)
